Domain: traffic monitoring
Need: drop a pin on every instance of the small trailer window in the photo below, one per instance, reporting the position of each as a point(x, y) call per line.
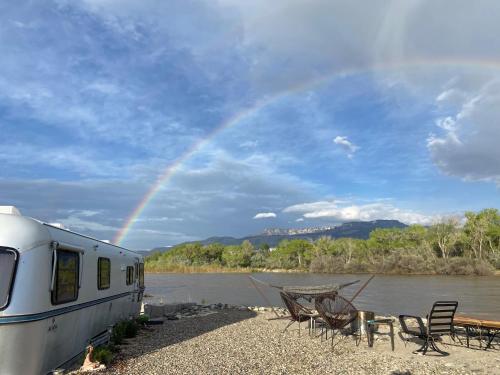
point(66, 277)
point(130, 275)
point(141, 275)
point(8, 260)
point(103, 273)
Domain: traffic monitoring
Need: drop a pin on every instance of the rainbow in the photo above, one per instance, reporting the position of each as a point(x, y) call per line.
point(172, 168)
point(177, 163)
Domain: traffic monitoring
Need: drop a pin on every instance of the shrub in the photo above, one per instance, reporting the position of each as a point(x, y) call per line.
point(463, 266)
point(258, 260)
point(131, 329)
point(496, 262)
point(102, 354)
point(124, 329)
point(118, 334)
point(142, 319)
point(327, 264)
point(406, 264)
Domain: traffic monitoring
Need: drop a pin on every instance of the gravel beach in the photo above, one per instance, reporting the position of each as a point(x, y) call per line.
point(245, 342)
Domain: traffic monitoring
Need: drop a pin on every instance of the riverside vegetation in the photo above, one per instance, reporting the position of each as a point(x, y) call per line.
point(446, 247)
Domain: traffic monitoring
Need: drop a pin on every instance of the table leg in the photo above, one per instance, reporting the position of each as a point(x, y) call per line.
point(491, 337)
point(480, 338)
point(369, 336)
point(391, 327)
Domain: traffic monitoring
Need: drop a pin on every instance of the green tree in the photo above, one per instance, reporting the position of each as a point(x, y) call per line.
point(322, 246)
point(237, 256)
point(264, 247)
point(212, 253)
point(260, 256)
point(383, 241)
point(481, 231)
point(445, 234)
point(258, 259)
point(290, 253)
point(348, 249)
point(154, 256)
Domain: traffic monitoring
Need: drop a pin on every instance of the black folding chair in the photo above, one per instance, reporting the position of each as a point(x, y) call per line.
point(439, 323)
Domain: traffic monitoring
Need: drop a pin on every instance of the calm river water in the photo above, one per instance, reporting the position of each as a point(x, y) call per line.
point(478, 296)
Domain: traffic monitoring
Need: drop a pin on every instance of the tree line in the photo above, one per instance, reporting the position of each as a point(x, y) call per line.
point(450, 246)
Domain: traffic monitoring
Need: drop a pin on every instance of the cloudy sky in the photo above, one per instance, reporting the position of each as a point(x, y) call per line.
point(261, 114)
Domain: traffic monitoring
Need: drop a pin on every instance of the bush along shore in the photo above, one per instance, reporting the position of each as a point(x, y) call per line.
point(447, 248)
point(218, 338)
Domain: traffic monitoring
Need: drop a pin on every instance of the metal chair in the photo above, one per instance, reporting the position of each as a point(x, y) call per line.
point(336, 312)
point(439, 323)
point(298, 312)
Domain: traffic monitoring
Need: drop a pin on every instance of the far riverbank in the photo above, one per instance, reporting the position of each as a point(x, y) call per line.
point(215, 269)
point(218, 269)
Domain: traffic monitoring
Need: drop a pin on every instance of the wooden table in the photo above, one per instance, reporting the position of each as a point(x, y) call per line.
point(488, 329)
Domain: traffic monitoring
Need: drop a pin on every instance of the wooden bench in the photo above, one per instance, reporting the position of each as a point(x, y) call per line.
point(482, 328)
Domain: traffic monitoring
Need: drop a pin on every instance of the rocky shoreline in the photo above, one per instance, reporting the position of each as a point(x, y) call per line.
point(174, 311)
point(232, 339)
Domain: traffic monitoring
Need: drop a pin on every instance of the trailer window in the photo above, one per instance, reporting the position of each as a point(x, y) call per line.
point(130, 275)
point(67, 275)
point(103, 273)
point(7, 270)
point(141, 275)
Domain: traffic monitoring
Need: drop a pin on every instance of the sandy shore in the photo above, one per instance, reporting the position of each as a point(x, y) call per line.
point(245, 342)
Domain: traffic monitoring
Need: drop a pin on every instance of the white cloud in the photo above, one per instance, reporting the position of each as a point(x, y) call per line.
point(84, 161)
point(265, 215)
point(306, 39)
point(346, 145)
point(107, 88)
point(249, 144)
point(468, 145)
point(300, 219)
point(341, 211)
point(88, 213)
point(78, 224)
point(444, 95)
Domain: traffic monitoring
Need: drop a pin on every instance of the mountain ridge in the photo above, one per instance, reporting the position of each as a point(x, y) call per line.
point(273, 236)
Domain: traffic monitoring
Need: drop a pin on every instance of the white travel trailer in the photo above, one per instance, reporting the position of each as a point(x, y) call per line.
point(59, 291)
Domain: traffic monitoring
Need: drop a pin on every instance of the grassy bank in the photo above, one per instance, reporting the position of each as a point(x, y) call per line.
point(457, 267)
point(181, 268)
point(210, 268)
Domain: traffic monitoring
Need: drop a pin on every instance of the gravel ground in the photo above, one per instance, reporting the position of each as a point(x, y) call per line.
point(245, 342)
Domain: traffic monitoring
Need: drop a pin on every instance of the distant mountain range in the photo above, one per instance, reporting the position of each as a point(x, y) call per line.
point(272, 237)
point(161, 249)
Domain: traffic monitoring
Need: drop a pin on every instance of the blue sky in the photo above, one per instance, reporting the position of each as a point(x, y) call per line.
point(373, 111)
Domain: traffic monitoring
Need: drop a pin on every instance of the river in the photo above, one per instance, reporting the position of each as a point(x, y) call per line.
point(385, 294)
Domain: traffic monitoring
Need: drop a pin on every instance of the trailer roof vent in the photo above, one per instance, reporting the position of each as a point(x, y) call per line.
point(10, 210)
